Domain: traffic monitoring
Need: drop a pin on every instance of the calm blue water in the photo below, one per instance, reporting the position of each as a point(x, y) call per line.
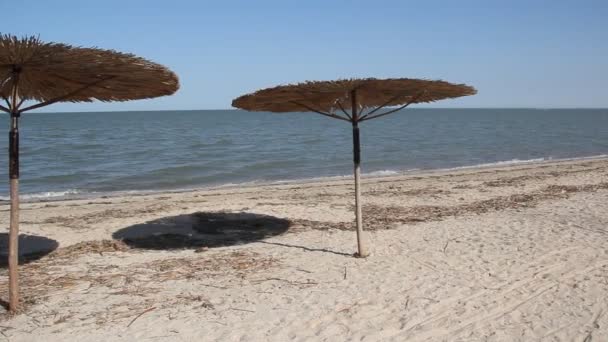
point(137, 151)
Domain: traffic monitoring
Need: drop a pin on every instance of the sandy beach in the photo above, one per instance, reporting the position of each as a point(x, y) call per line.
point(515, 253)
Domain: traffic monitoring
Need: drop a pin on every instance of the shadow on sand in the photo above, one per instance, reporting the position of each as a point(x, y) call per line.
point(202, 229)
point(31, 247)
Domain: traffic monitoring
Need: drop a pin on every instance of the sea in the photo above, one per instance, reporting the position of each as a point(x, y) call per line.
point(75, 155)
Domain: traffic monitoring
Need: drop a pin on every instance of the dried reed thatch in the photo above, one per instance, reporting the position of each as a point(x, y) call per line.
point(48, 71)
point(330, 96)
point(31, 70)
point(334, 98)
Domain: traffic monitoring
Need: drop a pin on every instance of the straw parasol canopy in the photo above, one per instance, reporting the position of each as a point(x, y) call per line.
point(331, 96)
point(355, 101)
point(60, 72)
point(40, 74)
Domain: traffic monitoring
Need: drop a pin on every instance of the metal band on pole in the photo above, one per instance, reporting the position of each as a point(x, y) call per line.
point(356, 144)
point(13, 148)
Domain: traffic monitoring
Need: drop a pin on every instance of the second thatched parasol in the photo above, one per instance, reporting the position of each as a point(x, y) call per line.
point(334, 98)
point(46, 73)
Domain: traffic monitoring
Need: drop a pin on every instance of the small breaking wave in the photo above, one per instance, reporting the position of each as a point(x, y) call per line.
point(42, 196)
point(501, 163)
point(381, 173)
point(524, 161)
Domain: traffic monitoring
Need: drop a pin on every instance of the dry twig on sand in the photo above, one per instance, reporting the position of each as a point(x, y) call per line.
point(141, 314)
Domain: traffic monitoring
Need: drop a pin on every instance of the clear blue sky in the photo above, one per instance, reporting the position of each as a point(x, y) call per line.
point(516, 53)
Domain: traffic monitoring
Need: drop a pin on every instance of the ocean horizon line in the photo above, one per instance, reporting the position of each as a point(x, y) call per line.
point(240, 110)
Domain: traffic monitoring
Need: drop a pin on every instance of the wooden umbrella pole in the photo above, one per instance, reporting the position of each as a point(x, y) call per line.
point(13, 242)
point(362, 248)
point(13, 174)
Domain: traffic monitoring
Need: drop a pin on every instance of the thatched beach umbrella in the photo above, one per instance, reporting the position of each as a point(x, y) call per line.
point(45, 73)
point(334, 98)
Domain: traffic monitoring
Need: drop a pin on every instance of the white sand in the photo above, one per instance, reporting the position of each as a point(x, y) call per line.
point(506, 254)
